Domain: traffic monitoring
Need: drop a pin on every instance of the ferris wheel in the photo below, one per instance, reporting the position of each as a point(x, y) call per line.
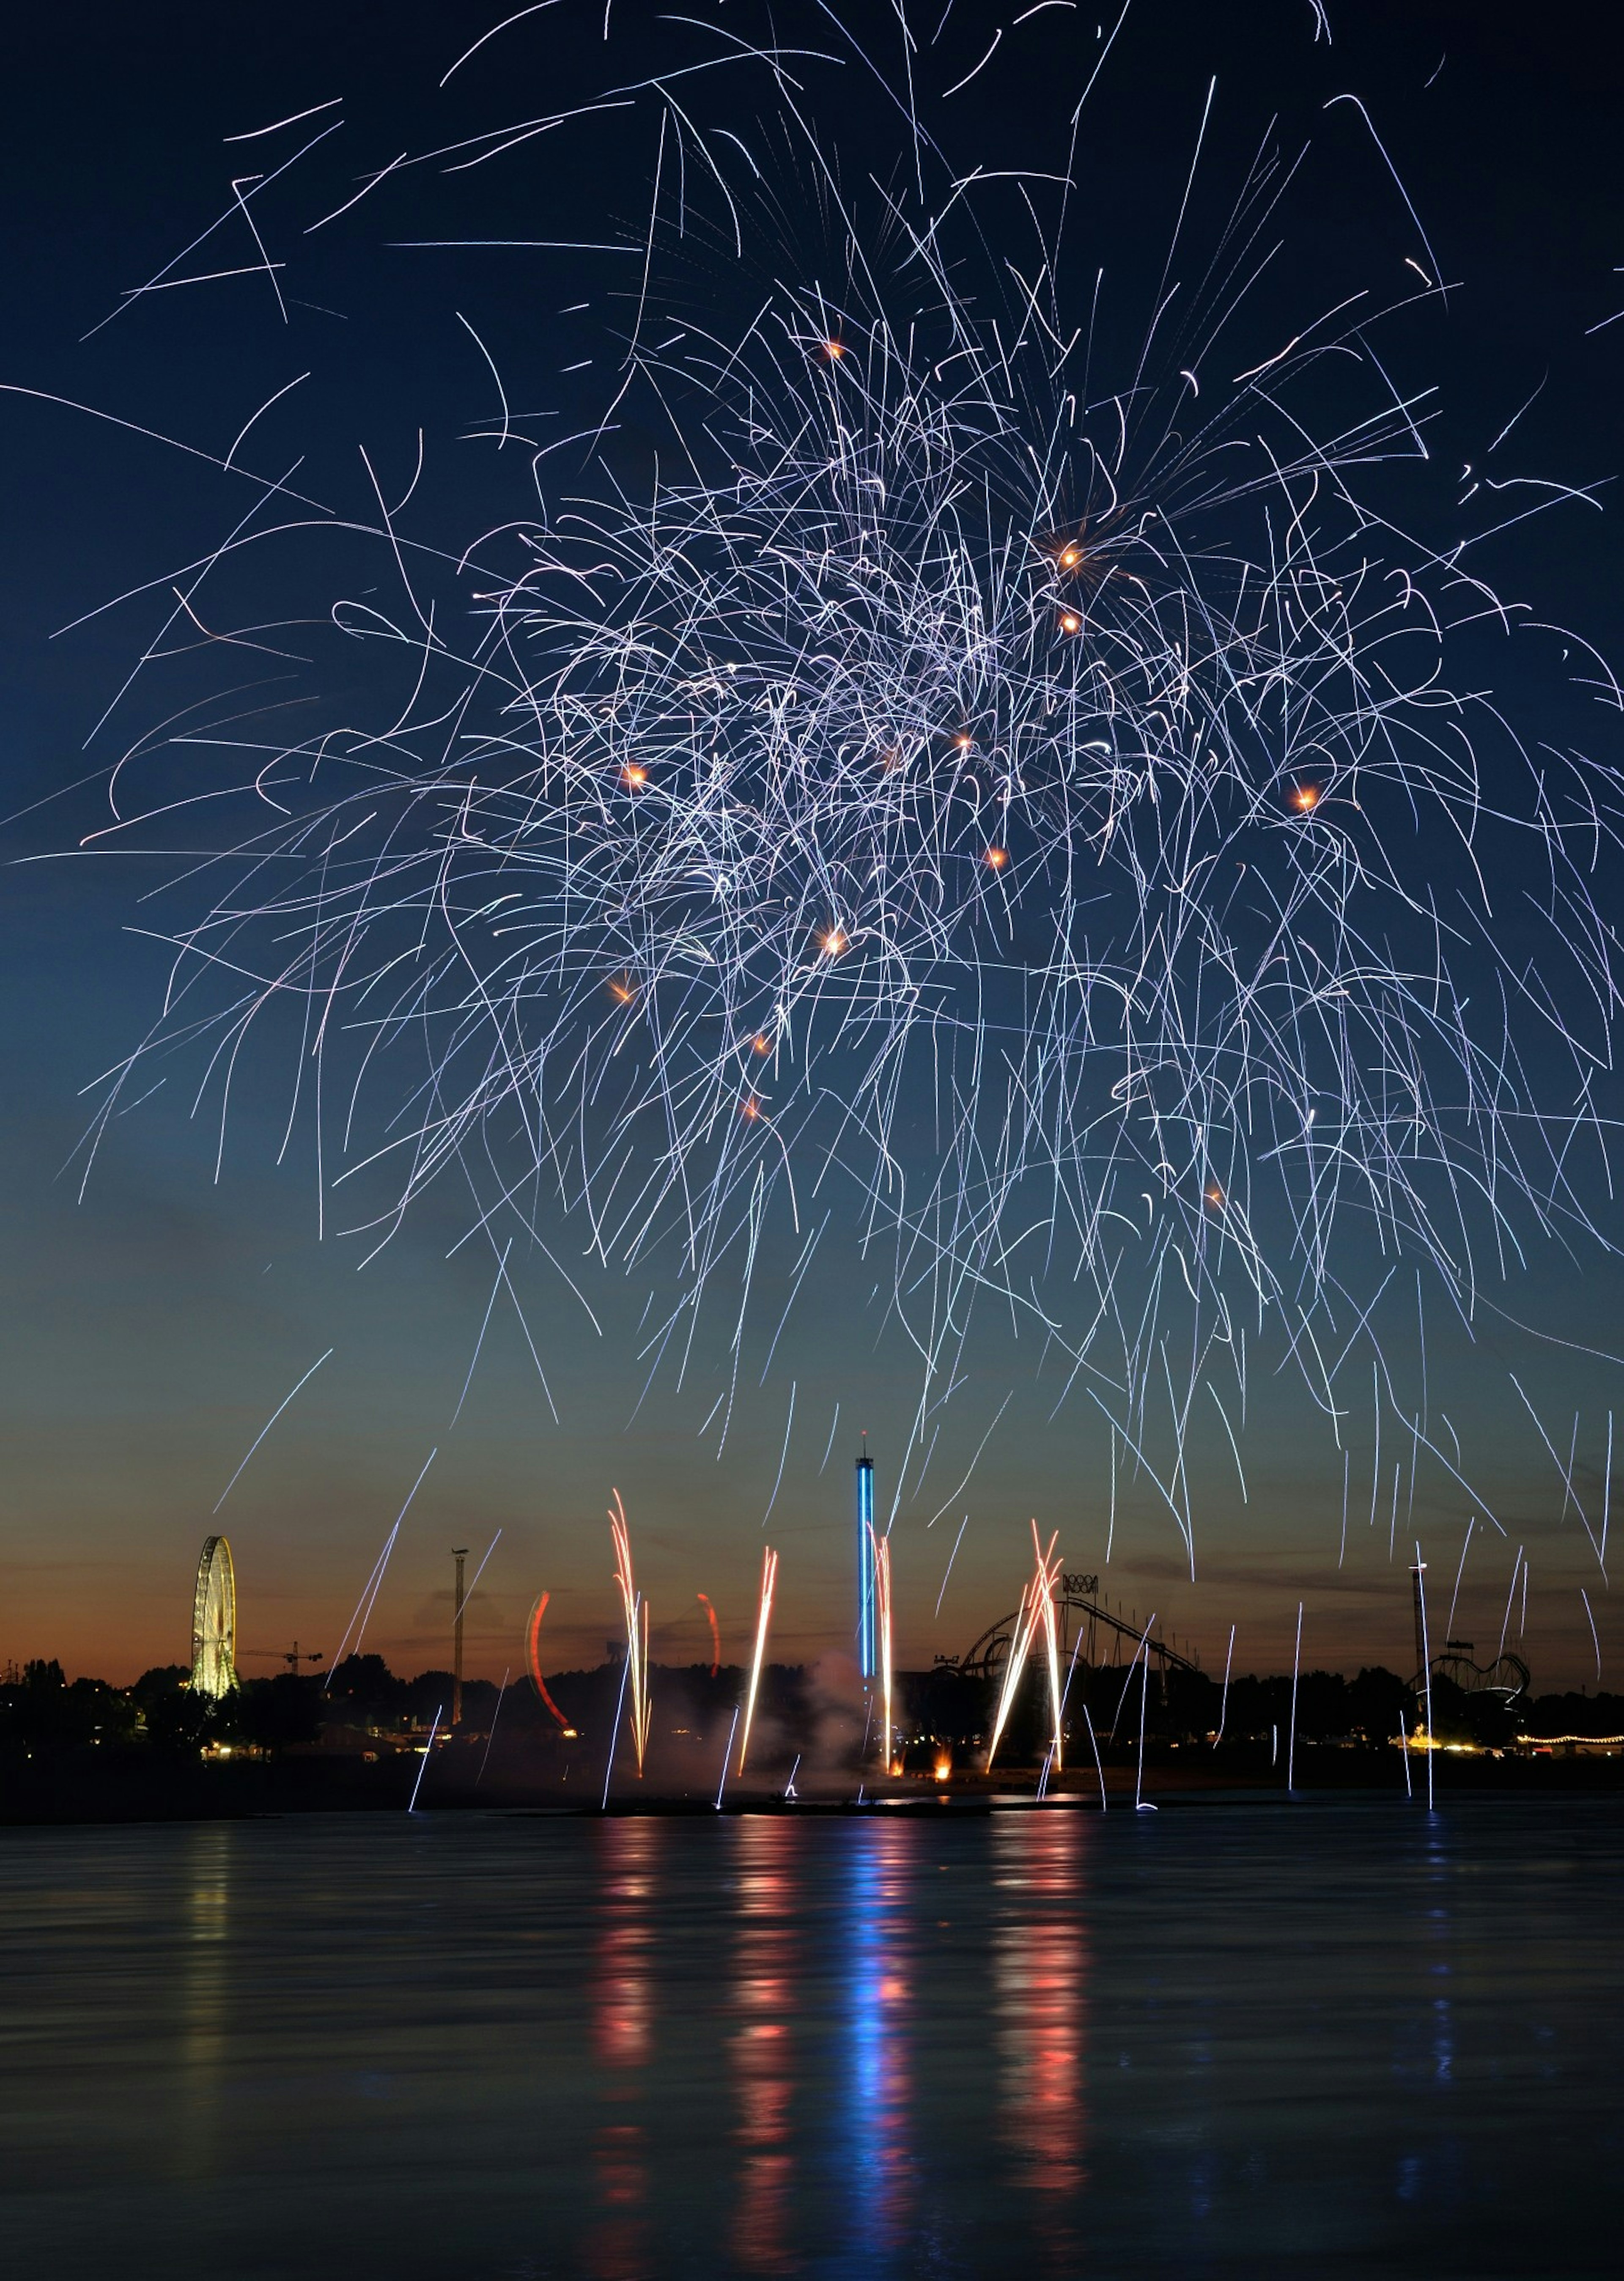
point(214, 1621)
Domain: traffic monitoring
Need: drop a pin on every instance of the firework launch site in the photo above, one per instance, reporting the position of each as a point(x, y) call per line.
point(365, 1739)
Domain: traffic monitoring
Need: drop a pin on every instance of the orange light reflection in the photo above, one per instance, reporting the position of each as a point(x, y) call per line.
point(762, 2045)
point(624, 2044)
point(1041, 1992)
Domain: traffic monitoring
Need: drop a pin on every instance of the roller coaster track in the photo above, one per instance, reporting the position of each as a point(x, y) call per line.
point(986, 1656)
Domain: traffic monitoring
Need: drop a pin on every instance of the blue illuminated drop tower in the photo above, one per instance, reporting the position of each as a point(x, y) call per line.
point(866, 1657)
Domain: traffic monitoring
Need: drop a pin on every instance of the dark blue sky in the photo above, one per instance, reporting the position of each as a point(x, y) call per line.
point(154, 1326)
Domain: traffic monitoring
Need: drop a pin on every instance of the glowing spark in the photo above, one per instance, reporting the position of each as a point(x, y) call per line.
point(635, 1609)
point(835, 578)
point(1020, 1643)
point(1038, 1607)
point(716, 1634)
point(265, 1429)
point(1047, 1584)
point(769, 1577)
point(532, 1660)
point(422, 1770)
point(881, 1546)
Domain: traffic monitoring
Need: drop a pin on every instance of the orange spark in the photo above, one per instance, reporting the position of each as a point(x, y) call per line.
point(635, 1608)
point(532, 1650)
point(834, 942)
point(996, 858)
point(881, 1547)
point(633, 774)
point(715, 1634)
point(1306, 797)
point(1070, 622)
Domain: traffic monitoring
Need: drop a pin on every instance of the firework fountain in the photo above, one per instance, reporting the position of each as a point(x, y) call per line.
point(881, 1548)
point(770, 1580)
point(635, 1610)
point(1037, 1610)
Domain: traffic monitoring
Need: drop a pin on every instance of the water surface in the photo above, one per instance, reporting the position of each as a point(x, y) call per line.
point(1247, 2039)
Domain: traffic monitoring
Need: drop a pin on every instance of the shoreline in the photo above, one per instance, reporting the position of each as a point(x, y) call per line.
point(72, 1795)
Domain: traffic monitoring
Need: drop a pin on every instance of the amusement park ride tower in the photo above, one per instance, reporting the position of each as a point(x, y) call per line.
point(866, 1657)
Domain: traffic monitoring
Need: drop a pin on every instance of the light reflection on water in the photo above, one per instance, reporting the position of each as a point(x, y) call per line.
point(1041, 2002)
point(1240, 2040)
point(623, 1988)
point(878, 1939)
point(762, 2045)
point(205, 1994)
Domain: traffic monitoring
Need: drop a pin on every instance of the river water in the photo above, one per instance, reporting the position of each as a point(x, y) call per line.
point(1246, 2039)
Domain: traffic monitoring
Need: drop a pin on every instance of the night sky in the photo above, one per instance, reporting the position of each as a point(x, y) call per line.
point(152, 1325)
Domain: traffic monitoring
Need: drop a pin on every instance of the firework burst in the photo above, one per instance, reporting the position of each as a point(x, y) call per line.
point(1044, 809)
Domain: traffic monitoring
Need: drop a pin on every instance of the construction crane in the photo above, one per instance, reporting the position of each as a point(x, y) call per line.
point(291, 1656)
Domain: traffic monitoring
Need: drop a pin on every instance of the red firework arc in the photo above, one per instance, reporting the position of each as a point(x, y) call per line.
point(715, 1634)
point(532, 1656)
